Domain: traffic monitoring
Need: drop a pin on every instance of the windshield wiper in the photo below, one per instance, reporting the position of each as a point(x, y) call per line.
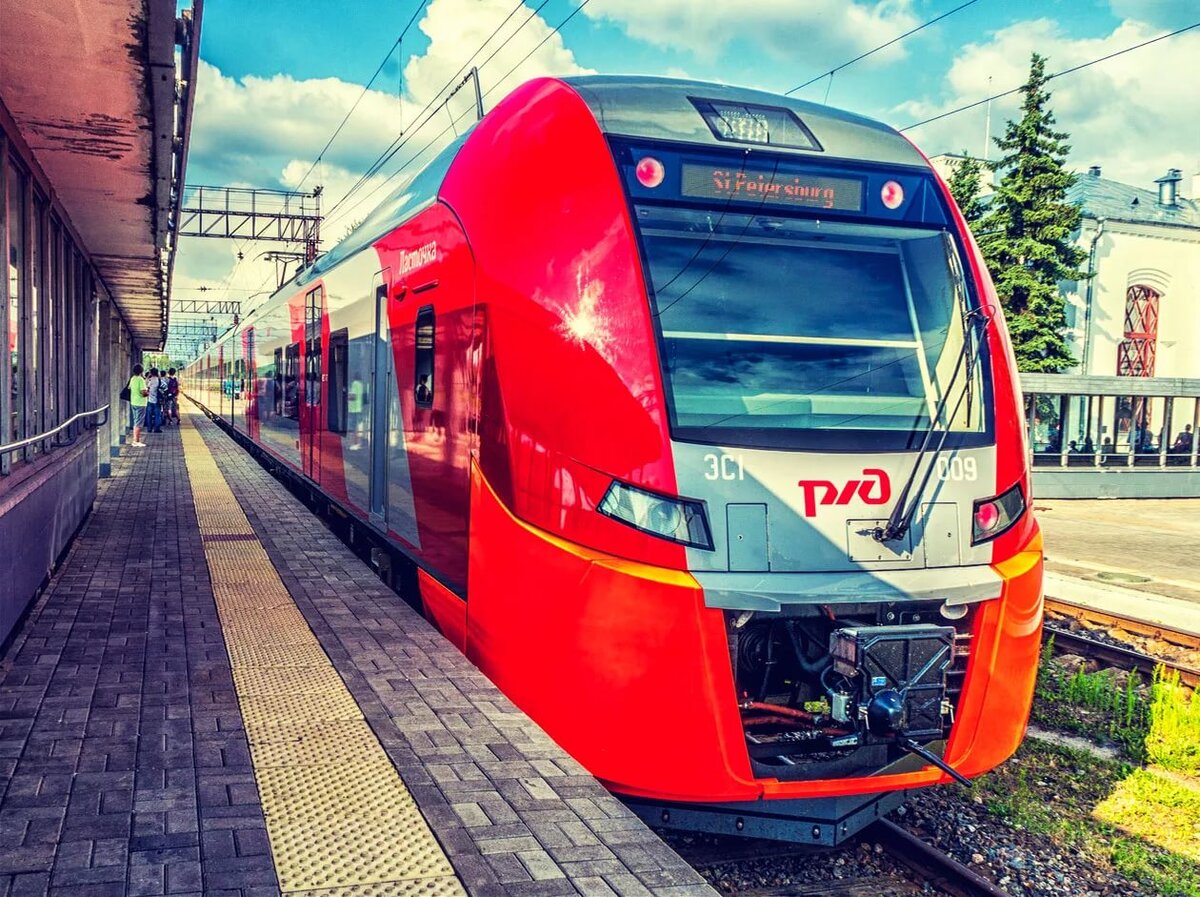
point(902, 515)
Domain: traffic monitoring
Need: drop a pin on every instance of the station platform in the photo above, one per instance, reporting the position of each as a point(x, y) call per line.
point(215, 696)
point(1130, 557)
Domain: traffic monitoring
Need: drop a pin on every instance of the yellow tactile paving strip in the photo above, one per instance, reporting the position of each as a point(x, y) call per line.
point(339, 818)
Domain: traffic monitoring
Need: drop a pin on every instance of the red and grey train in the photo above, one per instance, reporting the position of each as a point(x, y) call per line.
point(693, 410)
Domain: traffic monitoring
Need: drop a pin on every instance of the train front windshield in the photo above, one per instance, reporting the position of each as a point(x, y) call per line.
point(781, 331)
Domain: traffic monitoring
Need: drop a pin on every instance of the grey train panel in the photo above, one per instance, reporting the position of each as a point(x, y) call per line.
point(660, 108)
point(804, 540)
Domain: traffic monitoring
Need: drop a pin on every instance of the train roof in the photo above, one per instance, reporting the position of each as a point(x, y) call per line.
point(415, 193)
point(669, 109)
point(641, 106)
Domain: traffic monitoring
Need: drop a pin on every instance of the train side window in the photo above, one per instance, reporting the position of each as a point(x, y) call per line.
point(339, 355)
point(424, 367)
point(291, 383)
point(312, 347)
point(312, 372)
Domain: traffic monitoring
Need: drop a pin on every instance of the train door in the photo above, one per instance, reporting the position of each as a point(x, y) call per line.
point(235, 374)
point(222, 403)
point(310, 418)
point(249, 384)
point(381, 376)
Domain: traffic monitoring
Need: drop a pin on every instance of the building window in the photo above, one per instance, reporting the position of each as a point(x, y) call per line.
point(16, 249)
point(39, 371)
point(1135, 354)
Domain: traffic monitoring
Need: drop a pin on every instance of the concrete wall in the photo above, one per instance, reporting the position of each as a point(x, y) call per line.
point(45, 500)
point(41, 506)
point(1050, 482)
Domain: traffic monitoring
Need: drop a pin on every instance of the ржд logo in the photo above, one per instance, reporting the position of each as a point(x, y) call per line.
point(831, 495)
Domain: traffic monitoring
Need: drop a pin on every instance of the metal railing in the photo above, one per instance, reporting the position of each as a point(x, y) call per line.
point(11, 447)
point(1113, 437)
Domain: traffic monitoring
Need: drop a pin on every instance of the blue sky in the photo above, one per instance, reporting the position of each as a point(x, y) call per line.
point(278, 77)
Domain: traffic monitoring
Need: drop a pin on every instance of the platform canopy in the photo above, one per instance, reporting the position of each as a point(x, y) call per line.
point(92, 90)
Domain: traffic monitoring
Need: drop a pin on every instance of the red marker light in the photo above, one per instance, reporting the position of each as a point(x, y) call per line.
point(987, 516)
point(892, 195)
point(650, 172)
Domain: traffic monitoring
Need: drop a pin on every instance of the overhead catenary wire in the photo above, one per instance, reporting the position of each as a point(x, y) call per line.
point(1067, 71)
point(557, 28)
point(364, 92)
point(829, 74)
point(428, 111)
point(459, 85)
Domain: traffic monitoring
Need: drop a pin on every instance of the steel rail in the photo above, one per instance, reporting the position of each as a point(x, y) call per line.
point(924, 860)
point(934, 866)
point(1114, 655)
point(33, 440)
point(1144, 628)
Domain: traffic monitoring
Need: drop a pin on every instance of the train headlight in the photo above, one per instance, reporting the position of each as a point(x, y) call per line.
point(994, 516)
point(678, 519)
point(650, 172)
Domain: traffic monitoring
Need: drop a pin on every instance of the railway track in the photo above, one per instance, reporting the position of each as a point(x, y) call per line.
point(926, 863)
point(940, 869)
point(1087, 645)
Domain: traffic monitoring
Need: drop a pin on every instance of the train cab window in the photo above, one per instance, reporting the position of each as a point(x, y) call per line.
point(339, 395)
point(794, 332)
point(423, 385)
point(291, 382)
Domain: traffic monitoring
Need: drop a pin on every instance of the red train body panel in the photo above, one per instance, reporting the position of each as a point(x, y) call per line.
point(587, 373)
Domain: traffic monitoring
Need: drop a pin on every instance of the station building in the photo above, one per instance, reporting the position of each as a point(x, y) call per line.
point(95, 112)
point(1123, 422)
point(1138, 315)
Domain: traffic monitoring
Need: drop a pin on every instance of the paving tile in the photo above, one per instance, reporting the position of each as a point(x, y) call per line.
point(475, 765)
point(107, 688)
point(125, 765)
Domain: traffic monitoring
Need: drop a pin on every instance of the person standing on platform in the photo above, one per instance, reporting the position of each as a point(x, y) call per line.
point(153, 408)
point(137, 402)
point(1183, 442)
point(173, 395)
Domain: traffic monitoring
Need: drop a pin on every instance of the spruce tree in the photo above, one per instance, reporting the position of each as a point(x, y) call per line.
point(965, 183)
point(1026, 235)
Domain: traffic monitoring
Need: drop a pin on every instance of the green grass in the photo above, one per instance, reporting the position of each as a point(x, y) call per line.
point(1139, 817)
point(1159, 811)
point(1110, 815)
point(1158, 725)
point(1097, 705)
point(1173, 741)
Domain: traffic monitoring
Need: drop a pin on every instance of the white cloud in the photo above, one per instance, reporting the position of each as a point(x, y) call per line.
point(251, 128)
point(824, 31)
point(458, 27)
point(266, 132)
point(1133, 115)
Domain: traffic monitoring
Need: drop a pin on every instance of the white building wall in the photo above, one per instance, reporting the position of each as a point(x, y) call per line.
point(1164, 257)
point(945, 164)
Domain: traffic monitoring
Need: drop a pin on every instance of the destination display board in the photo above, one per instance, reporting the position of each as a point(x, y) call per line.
point(772, 187)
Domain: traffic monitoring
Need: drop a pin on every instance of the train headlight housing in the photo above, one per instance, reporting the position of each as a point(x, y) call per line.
point(679, 519)
point(994, 516)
